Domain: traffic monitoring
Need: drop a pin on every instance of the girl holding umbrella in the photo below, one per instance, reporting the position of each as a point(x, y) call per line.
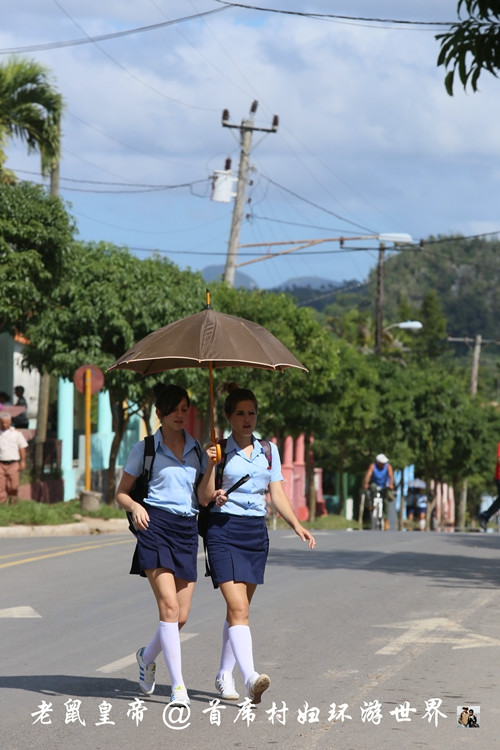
point(237, 539)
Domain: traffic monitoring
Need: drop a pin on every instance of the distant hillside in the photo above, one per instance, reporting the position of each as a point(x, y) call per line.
point(307, 282)
point(316, 292)
point(463, 272)
point(240, 279)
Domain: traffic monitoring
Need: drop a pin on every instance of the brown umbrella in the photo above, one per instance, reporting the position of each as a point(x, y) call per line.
point(208, 339)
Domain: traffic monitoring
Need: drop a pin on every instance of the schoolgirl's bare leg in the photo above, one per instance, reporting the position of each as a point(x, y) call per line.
point(238, 596)
point(173, 597)
point(184, 596)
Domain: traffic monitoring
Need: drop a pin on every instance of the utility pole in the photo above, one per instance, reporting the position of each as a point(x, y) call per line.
point(379, 302)
point(246, 129)
point(477, 341)
point(44, 386)
point(400, 238)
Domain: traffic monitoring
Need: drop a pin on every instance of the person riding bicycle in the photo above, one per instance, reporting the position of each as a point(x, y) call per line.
point(380, 475)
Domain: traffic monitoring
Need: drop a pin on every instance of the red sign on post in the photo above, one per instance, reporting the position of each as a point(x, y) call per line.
point(96, 378)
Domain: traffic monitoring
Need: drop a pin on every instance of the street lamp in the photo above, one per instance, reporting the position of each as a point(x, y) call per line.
point(396, 239)
point(408, 325)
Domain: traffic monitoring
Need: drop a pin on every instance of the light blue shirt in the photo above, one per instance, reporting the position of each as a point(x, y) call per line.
point(172, 482)
point(250, 498)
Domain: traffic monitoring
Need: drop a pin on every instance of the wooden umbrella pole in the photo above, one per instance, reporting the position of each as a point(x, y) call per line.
point(212, 417)
point(212, 413)
point(212, 406)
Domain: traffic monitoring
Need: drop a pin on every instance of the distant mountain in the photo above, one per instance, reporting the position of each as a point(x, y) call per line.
point(240, 279)
point(308, 282)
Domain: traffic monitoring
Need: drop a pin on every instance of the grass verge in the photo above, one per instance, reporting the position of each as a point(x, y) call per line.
point(31, 513)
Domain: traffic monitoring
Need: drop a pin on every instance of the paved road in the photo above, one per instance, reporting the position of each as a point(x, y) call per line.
point(394, 630)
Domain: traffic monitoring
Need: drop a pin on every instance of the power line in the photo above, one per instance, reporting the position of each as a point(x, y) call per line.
point(129, 187)
point(335, 16)
point(301, 224)
point(126, 70)
point(104, 37)
point(321, 208)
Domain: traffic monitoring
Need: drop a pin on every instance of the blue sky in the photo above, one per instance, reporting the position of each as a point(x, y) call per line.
point(368, 142)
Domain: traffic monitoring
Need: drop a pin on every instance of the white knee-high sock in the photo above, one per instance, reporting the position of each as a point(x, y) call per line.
point(153, 648)
point(227, 660)
point(171, 647)
point(240, 638)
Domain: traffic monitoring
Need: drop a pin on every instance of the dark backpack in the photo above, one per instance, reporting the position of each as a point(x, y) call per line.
point(204, 512)
point(141, 485)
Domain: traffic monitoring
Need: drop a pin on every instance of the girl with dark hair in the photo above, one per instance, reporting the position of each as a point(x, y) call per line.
point(237, 538)
point(167, 533)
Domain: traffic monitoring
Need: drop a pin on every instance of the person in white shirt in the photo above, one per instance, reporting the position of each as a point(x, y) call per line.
point(12, 456)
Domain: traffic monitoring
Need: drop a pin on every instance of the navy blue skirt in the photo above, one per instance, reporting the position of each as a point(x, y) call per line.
point(170, 541)
point(237, 548)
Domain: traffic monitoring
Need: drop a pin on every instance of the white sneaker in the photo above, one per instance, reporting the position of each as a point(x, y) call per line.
point(179, 696)
point(256, 685)
point(225, 686)
point(146, 673)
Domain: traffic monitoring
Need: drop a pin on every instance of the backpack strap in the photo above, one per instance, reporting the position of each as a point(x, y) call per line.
point(266, 445)
point(219, 472)
point(149, 457)
point(145, 476)
point(198, 450)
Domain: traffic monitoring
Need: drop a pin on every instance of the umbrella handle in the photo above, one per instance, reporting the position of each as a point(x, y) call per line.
point(218, 455)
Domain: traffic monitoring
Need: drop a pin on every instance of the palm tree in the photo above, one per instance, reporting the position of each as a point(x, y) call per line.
point(30, 109)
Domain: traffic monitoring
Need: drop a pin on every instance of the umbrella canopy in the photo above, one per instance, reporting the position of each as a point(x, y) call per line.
point(417, 484)
point(207, 339)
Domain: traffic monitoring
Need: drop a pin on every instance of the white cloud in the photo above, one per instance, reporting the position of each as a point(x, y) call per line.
point(366, 128)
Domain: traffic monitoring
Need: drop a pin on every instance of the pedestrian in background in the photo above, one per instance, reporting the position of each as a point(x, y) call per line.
point(12, 457)
point(485, 516)
point(21, 421)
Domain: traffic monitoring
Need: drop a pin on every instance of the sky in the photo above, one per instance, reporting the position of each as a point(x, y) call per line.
point(368, 141)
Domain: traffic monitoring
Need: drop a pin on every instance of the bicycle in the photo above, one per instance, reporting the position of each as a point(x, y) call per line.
point(378, 511)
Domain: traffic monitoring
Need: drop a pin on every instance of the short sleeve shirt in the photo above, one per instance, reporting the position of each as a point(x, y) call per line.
point(172, 482)
point(11, 441)
point(250, 498)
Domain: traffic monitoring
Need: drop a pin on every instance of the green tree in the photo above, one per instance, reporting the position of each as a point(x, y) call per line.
point(431, 340)
point(107, 300)
point(472, 45)
point(35, 234)
point(346, 442)
point(30, 109)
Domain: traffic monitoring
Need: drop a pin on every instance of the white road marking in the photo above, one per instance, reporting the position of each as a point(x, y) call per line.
point(19, 612)
point(116, 666)
point(434, 630)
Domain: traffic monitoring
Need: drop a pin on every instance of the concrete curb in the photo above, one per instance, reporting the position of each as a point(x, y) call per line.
point(79, 528)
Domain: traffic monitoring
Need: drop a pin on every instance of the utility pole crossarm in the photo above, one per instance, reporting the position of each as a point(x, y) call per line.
point(299, 245)
point(478, 341)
